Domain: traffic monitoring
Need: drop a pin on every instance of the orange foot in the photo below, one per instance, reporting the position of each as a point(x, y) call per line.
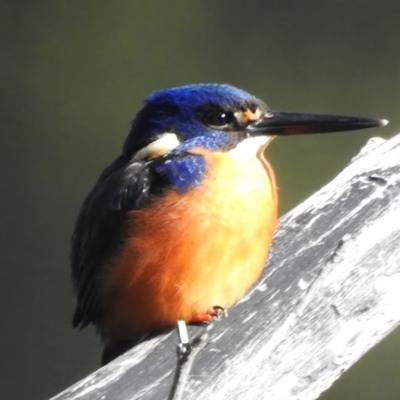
point(209, 316)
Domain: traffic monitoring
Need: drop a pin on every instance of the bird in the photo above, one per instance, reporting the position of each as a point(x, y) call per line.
point(179, 225)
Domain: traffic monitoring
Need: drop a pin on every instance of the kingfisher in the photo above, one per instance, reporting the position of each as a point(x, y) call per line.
point(179, 226)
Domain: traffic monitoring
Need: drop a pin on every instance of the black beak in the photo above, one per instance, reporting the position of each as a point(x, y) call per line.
point(287, 123)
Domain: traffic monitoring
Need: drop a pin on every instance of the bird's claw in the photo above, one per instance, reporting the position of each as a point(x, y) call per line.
point(210, 315)
point(218, 312)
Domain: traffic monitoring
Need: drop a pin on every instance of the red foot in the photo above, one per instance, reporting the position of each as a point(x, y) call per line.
point(210, 315)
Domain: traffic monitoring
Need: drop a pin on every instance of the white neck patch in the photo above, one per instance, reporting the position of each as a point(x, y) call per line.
point(166, 142)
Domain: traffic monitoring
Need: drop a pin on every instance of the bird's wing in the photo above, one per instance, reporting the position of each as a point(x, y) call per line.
point(99, 229)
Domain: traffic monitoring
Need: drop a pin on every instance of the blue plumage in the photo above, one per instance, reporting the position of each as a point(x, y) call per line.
point(183, 172)
point(192, 96)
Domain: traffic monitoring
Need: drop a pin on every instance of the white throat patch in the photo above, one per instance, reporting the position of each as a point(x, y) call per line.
point(250, 147)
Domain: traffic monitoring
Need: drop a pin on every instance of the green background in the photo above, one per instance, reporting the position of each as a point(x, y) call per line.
point(73, 75)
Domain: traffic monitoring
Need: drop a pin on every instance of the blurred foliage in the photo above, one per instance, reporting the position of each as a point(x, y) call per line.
point(74, 72)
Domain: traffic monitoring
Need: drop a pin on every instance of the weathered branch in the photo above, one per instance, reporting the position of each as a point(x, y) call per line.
point(331, 291)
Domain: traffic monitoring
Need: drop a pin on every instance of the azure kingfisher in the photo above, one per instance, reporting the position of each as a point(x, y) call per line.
point(179, 226)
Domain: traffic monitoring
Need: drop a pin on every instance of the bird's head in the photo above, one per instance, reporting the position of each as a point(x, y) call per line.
point(218, 117)
point(213, 116)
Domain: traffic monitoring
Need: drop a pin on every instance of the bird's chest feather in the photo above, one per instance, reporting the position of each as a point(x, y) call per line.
point(188, 252)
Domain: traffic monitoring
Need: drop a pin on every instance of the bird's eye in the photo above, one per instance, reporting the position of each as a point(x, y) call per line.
point(218, 119)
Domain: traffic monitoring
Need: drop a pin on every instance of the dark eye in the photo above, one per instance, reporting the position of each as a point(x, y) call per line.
point(218, 119)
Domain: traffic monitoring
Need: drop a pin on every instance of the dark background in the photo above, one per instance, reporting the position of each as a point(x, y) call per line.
point(73, 75)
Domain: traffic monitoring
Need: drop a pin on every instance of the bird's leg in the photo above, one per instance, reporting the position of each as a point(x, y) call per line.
point(184, 364)
point(210, 315)
point(184, 347)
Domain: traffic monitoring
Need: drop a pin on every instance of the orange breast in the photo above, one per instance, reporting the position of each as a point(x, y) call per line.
point(189, 252)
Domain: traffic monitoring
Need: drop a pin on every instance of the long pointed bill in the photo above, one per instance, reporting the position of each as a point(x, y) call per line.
point(287, 123)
